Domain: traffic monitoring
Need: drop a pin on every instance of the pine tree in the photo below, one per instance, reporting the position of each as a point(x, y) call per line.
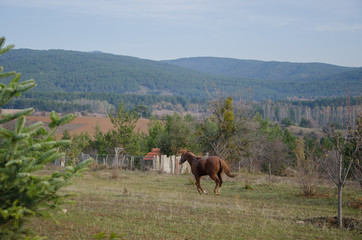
point(124, 122)
point(24, 150)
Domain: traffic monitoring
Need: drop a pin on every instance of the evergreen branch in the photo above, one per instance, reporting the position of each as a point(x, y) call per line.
point(9, 117)
point(5, 75)
point(4, 49)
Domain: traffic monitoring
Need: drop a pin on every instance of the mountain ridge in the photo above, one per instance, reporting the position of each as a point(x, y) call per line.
point(59, 70)
point(266, 70)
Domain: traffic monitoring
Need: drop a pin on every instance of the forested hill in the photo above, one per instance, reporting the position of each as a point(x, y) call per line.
point(260, 69)
point(72, 71)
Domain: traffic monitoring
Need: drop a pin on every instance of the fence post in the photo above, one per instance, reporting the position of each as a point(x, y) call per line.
point(157, 162)
point(173, 160)
point(177, 166)
point(132, 162)
point(62, 162)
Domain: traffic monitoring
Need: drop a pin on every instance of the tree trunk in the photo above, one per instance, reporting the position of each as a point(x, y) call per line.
point(269, 172)
point(339, 219)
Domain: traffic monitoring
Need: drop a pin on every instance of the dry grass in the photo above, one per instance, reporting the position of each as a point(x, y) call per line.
point(145, 205)
point(295, 131)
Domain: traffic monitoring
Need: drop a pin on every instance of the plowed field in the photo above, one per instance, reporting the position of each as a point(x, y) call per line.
point(87, 124)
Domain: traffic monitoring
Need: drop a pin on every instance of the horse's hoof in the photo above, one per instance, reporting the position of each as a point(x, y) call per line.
point(205, 192)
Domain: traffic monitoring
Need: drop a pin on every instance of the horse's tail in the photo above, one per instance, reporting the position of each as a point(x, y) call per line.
point(226, 168)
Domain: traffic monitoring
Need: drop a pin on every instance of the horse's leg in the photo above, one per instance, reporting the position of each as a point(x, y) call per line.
point(220, 181)
point(198, 185)
point(217, 181)
point(220, 178)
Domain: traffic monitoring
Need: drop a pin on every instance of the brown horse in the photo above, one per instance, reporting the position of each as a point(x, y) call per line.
point(201, 166)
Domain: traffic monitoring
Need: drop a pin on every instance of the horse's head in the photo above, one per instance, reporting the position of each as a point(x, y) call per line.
point(183, 156)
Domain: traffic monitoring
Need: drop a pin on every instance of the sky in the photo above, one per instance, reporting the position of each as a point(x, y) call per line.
point(328, 31)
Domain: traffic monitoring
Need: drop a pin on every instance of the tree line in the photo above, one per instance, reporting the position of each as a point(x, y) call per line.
point(312, 114)
point(93, 102)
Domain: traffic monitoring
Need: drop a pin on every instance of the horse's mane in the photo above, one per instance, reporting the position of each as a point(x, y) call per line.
point(182, 151)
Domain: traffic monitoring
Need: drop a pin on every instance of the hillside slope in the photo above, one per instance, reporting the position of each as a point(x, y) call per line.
point(94, 72)
point(259, 69)
point(71, 71)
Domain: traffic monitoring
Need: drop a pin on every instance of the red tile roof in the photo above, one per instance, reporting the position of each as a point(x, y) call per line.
point(150, 155)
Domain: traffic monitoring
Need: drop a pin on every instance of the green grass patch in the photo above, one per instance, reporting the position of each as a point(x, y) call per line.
point(145, 205)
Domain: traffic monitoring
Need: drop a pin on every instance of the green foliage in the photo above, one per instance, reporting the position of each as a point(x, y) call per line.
point(226, 126)
point(179, 132)
point(222, 133)
point(265, 128)
point(24, 150)
point(207, 133)
point(124, 122)
point(290, 141)
point(102, 235)
point(305, 123)
point(80, 143)
point(155, 131)
point(142, 111)
point(14, 88)
point(223, 117)
point(99, 143)
point(278, 146)
point(66, 135)
point(287, 122)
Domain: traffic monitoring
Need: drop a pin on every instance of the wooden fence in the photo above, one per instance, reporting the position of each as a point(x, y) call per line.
point(161, 164)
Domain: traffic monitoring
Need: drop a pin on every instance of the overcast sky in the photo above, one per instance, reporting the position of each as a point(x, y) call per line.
point(328, 31)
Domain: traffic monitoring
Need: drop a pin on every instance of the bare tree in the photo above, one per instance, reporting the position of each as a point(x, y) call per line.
point(340, 152)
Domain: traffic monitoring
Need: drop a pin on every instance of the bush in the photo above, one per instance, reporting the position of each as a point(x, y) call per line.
point(287, 122)
point(305, 123)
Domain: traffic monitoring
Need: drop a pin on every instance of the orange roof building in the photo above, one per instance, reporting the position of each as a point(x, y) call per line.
point(154, 152)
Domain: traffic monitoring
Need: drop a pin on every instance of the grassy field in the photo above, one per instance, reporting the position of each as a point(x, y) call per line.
point(146, 205)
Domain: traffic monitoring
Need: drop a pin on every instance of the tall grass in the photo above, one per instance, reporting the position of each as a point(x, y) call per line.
point(145, 205)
